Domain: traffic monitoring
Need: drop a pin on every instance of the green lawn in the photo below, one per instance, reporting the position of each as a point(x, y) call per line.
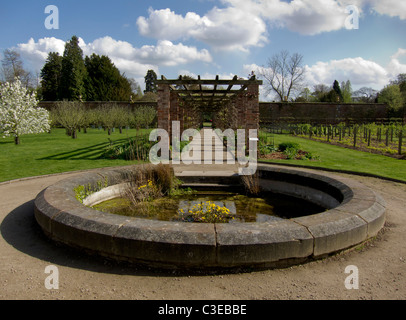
point(339, 158)
point(56, 152)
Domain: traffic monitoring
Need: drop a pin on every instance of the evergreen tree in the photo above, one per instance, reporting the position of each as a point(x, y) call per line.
point(150, 81)
point(346, 90)
point(123, 91)
point(337, 89)
point(51, 77)
point(73, 72)
point(104, 82)
point(331, 96)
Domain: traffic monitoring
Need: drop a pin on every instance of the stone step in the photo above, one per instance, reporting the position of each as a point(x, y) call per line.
point(204, 177)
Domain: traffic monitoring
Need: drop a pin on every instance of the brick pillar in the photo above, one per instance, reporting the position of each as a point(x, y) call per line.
point(252, 107)
point(163, 109)
point(182, 116)
point(247, 108)
point(186, 112)
point(251, 110)
point(240, 104)
point(174, 108)
point(232, 115)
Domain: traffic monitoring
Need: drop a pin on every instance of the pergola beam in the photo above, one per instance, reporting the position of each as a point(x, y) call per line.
point(195, 92)
point(200, 95)
point(209, 91)
point(208, 82)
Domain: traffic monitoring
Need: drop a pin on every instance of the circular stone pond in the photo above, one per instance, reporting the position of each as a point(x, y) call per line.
point(327, 214)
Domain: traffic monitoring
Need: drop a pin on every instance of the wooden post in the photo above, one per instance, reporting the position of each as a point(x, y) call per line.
point(387, 137)
point(369, 137)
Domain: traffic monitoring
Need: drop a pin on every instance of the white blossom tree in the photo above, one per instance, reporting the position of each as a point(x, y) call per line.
point(19, 112)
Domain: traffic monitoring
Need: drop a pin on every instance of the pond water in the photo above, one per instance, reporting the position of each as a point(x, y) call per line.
point(245, 208)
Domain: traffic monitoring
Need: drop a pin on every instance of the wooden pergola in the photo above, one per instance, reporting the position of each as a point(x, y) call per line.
point(181, 99)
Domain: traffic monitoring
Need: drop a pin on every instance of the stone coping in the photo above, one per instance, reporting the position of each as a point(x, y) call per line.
point(355, 213)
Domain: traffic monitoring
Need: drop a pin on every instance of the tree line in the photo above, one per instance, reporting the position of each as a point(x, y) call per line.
point(393, 95)
point(73, 77)
point(74, 116)
point(93, 78)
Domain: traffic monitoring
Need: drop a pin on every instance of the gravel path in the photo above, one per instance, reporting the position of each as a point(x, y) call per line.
point(25, 253)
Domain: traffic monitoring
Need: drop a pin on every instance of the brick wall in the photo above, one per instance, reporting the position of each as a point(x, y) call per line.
point(94, 104)
point(271, 112)
point(329, 113)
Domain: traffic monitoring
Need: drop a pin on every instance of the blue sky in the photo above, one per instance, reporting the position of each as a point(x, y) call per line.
point(218, 37)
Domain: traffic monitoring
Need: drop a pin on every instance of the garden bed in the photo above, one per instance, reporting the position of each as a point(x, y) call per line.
point(374, 147)
point(300, 155)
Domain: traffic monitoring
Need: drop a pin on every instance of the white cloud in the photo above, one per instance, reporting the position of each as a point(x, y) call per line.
point(303, 16)
point(399, 53)
point(166, 24)
point(37, 52)
point(359, 71)
point(392, 8)
point(168, 54)
point(312, 17)
point(242, 23)
point(134, 62)
point(395, 67)
point(229, 28)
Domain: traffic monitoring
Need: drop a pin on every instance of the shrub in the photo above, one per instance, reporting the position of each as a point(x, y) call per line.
point(71, 115)
point(149, 182)
point(288, 145)
point(134, 149)
point(290, 152)
point(143, 117)
point(266, 149)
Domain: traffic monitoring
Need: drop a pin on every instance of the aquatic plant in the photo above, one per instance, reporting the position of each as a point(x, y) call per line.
point(207, 212)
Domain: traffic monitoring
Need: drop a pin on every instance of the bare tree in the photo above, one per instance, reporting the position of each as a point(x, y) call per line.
point(284, 74)
point(13, 68)
point(366, 94)
point(320, 91)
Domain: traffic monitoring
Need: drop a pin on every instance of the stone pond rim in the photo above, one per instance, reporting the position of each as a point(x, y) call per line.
point(354, 214)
